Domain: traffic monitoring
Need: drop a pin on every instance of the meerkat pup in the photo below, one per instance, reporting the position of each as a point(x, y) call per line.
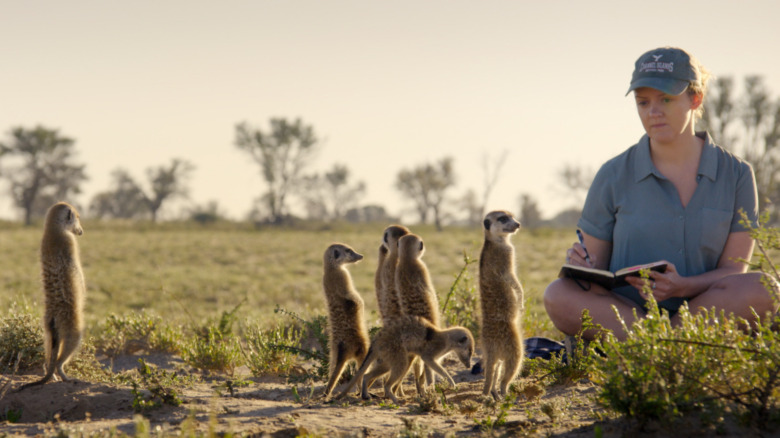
point(415, 291)
point(397, 343)
point(387, 296)
point(501, 297)
point(347, 333)
point(64, 290)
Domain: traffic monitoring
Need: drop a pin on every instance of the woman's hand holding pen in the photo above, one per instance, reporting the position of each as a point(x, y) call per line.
point(578, 254)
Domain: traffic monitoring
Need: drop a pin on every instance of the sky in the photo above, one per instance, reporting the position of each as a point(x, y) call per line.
point(386, 85)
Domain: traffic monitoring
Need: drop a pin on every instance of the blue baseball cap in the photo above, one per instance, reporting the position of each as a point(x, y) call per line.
point(667, 69)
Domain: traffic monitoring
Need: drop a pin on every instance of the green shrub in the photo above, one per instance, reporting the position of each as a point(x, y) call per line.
point(134, 332)
point(707, 364)
point(316, 330)
point(154, 388)
point(263, 353)
point(461, 303)
point(21, 340)
point(214, 346)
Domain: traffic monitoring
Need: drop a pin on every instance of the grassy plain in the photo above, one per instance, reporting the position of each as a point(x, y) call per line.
point(187, 273)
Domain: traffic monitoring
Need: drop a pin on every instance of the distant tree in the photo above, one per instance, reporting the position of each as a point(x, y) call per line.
point(425, 186)
point(125, 199)
point(206, 214)
point(576, 181)
point(330, 195)
point(748, 125)
point(369, 213)
point(282, 154)
point(166, 182)
point(44, 172)
point(490, 173)
point(471, 207)
point(530, 217)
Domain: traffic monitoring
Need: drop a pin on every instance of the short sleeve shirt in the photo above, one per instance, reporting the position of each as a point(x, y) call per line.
point(631, 204)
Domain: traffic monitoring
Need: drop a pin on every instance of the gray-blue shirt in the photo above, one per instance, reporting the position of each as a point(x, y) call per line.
point(631, 204)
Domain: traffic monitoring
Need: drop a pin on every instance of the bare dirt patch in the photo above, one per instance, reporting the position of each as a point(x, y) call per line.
point(272, 407)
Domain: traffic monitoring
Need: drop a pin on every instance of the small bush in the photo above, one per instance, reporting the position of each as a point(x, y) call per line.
point(21, 340)
point(214, 347)
point(316, 329)
point(128, 334)
point(267, 351)
point(461, 303)
point(154, 388)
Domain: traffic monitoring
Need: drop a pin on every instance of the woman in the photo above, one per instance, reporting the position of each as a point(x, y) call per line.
point(674, 196)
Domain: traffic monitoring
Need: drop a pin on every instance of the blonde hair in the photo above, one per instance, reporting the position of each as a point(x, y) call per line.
point(699, 88)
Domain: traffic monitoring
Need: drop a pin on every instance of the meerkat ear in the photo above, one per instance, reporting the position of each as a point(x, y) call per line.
point(486, 223)
point(421, 245)
point(385, 237)
point(70, 215)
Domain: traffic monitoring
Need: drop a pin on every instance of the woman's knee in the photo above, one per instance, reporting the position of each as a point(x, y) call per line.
point(555, 295)
point(754, 289)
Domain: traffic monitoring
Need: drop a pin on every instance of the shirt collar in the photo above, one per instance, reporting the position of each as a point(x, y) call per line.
point(643, 164)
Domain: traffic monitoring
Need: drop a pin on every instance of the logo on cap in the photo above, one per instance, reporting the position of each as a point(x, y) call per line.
point(656, 66)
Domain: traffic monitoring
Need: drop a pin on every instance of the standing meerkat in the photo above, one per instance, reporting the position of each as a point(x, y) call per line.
point(501, 297)
point(64, 290)
point(413, 282)
point(405, 338)
point(387, 299)
point(415, 291)
point(347, 333)
point(378, 274)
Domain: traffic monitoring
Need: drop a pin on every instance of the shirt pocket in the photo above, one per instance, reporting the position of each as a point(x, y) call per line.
point(715, 229)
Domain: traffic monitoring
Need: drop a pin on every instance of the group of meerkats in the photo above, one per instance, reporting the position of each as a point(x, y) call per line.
point(411, 335)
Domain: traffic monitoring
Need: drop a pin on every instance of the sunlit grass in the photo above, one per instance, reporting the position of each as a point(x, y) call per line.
point(187, 273)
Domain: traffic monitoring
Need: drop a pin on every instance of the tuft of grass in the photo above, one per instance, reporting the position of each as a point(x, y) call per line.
point(21, 340)
point(269, 351)
point(214, 347)
point(127, 334)
point(155, 388)
point(316, 330)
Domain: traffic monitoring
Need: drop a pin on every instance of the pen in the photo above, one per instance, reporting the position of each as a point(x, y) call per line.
point(582, 242)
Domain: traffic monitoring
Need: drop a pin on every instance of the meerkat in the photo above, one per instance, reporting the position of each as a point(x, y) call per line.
point(501, 297)
point(64, 290)
point(387, 296)
point(397, 343)
point(378, 275)
point(415, 290)
point(347, 332)
point(413, 282)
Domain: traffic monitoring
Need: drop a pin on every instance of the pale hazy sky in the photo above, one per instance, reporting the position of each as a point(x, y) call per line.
point(387, 85)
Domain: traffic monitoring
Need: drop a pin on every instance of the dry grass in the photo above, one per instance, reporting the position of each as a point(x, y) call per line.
point(187, 273)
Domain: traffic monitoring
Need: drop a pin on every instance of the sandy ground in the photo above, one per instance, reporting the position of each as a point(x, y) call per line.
point(270, 407)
